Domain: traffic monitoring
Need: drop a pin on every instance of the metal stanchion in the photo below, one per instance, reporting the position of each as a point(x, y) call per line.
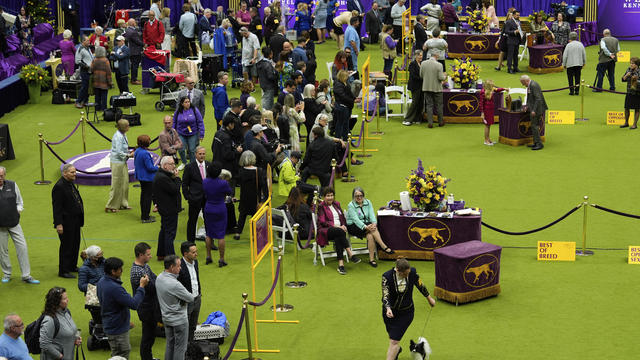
point(582, 90)
point(84, 136)
point(349, 177)
point(247, 326)
point(295, 284)
point(580, 33)
point(282, 307)
point(42, 181)
point(584, 251)
point(334, 163)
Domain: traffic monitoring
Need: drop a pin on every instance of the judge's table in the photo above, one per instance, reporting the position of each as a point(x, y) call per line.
point(545, 58)
point(515, 127)
point(462, 106)
point(474, 46)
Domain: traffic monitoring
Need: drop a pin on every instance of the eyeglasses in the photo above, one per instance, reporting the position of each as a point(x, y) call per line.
point(358, 196)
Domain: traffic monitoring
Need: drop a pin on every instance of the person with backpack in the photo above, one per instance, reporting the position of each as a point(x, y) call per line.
point(11, 345)
point(58, 333)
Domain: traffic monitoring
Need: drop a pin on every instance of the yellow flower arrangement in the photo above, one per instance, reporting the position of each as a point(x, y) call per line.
point(34, 75)
point(478, 21)
point(426, 188)
point(463, 72)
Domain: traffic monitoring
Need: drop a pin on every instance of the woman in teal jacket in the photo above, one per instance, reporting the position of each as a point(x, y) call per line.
point(361, 222)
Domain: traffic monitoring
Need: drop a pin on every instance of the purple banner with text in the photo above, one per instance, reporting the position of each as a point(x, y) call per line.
point(621, 17)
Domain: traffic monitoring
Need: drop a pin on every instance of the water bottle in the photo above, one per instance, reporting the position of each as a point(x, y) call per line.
point(449, 202)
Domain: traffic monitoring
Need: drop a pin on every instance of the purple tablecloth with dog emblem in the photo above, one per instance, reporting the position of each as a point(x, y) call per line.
point(462, 107)
point(467, 271)
point(545, 58)
point(475, 46)
point(515, 127)
point(417, 237)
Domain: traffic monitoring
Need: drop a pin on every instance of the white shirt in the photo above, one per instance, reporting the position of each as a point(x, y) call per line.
point(194, 278)
point(336, 216)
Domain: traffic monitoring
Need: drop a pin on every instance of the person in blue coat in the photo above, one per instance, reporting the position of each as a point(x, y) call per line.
point(220, 99)
point(145, 170)
point(303, 18)
point(121, 61)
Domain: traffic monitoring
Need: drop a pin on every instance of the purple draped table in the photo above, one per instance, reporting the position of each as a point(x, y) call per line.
point(462, 107)
point(515, 127)
point(546, 58)
point(417, 237)
point(475, 46)
point(467, 272)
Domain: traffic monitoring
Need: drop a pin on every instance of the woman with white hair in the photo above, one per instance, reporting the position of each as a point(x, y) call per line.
point(98, 39)
point(68, 50)
point(92, 268)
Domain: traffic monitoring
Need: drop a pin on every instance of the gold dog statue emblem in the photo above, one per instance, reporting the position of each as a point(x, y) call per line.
point(552, 59)
point(476, 44)
point(462, 104)
point(480, 270)
point(429, 232)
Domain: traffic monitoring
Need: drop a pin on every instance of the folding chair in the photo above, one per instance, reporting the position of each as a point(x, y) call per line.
point(389, 101)
point(318, 252)
point(281, 231)
point(521, 91)
point(523, 50)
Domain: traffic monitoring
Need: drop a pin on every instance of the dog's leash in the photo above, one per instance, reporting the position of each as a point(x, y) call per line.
point(426, 321)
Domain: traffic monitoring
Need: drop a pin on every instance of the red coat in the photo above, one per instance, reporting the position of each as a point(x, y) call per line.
point(487, 105)
point(153, 34)
point(102, 41)
point(325, 221)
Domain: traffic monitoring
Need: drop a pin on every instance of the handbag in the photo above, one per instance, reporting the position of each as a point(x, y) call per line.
point(79, 347)
point(91, 298)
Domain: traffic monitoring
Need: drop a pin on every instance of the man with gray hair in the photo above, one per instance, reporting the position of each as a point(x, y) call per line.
point(83, 60)
point(195, 95)
point(250, 54)
point(166, 192)
point(607, 57)
point(11, 345)
point(11, 206)
point(574, 58)
point(537, 107)
point(194, 173)
point(68, 218)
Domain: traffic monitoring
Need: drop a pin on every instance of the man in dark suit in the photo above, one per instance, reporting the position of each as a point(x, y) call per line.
point(68, 218)
point(373, 25)
point(514, 37)
point(192, 178)
point(195, 95)
point(317, 159)
point(166, 192)
point(420, 32)
point(537, 106)
point(189, 277)
point(277, 42)
point(135, 43)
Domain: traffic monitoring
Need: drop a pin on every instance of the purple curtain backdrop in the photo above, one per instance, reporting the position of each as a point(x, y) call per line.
point(617, 16)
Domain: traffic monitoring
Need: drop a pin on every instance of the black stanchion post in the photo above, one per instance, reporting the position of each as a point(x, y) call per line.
point(584, 251)
point(247, 326)
point(296, 284)
point(42, 181)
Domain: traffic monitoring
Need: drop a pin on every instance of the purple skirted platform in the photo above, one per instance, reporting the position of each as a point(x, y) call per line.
point(95, 162)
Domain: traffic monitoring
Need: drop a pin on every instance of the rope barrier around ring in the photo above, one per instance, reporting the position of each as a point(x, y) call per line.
point(68, 136)
point(78, 170)
point(98, 131)
point(333, 170)
point(615, 212)
point(273, 287)
point(616, 36)
point(534, 230)
point(605, 90)
point(243, 313)
point(559, 89)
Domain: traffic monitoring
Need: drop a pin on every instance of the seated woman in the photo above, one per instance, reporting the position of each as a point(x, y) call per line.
point(332, 226)
point(91, 272)
point(300, 212)
point(361, 222)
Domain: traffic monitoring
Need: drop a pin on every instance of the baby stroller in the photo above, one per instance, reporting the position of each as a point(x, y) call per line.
point(235, 62)
point(169, 83)
point(97, 338)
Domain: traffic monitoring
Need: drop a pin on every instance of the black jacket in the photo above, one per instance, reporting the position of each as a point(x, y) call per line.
point(421, 36)
point(224, 151)
point(318, 156)
point(192, 181)
point(134, 40)
point(276, 42)
point(185, 278)
point(236, 134)
point(166, 193)
point(511, 29)
point(269, 28)
point(343, 94)
point(372, 23)
point(251, 190)
point(67, 209)
point(263, 157)
point(255, 27)
point(267, 75)
point(415, 82)
point(400, 301)
point(283, 125)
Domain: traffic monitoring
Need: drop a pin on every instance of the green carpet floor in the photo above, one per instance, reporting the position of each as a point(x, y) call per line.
point(569, 310)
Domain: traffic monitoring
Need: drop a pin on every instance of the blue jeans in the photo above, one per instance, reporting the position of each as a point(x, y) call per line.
point(267, 98)
point(83, 94)
point(189, 144)
point(101, 98)
point(388, 65)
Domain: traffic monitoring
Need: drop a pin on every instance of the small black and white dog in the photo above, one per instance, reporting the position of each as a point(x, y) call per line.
point(420, 350)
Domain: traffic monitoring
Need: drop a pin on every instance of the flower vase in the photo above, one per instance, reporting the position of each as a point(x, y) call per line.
point(465, 85)
point(34, 93)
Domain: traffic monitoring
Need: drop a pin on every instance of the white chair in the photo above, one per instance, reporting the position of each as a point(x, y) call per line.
point(281, 231)
point(523, 50)
point(318, 252)
point(329, 68)
point(520, 91)
point(407, 99)
point(389, 101)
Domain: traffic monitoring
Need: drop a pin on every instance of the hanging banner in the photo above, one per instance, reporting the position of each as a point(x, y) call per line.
point(619, 16)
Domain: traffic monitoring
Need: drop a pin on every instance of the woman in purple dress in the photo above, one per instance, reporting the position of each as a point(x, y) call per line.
point(215, 210)
point(68, 50)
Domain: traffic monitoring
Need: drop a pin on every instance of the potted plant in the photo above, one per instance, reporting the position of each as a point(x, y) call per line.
point(34, 76)
point(427, 188)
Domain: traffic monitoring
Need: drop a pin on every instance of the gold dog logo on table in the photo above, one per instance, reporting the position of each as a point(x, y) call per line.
point(481, 270)
point(552, 58)
point(429, 234)
point(524, 125)
point(476, 44)
point(462, 104)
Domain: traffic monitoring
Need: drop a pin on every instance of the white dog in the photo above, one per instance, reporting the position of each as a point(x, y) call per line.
point(420, 350)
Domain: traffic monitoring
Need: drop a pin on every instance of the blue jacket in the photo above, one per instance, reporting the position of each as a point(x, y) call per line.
point(303, 21)
point(89, 274)
point(122, 54)
point(115, 303)
point(144, 168)
point(220, 101)
point(299, 54)
point(219, 45)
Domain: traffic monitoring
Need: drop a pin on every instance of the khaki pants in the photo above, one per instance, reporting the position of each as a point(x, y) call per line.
point(119, 193)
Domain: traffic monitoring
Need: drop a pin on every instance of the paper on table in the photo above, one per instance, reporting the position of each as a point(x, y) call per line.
point(388, 212)
point(467, 211)
point(405, 201)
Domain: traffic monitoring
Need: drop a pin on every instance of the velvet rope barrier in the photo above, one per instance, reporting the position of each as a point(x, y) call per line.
point(362, 125)
point(235, 337)
point(605, 90)
point(616, 36)
point(68, 136)
point(273, 287)
point(333, 170)
point(559, 89)
point(98, 131)
point(615, 211)
point(534, 230)
point(78, 170)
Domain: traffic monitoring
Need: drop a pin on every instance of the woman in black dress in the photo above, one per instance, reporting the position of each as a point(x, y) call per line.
point(632, 100)
point(397, 302)
point(253, 188)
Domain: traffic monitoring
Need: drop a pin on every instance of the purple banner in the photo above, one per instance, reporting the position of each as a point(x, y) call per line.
point(262, 234)
point(621, 17)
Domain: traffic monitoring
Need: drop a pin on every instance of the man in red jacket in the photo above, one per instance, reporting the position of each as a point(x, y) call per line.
point(153, 32)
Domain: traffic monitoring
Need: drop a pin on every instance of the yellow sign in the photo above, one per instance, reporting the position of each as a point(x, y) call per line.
point(634, 254)
point(617, 117)
point(556, 251)
point(561, 117)
point(624, 56)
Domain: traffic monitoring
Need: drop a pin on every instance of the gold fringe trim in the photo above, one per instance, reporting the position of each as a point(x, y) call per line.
point(545, 70)
point(409, 254)
point(518, 142)
point(466, 297)
point(466, 119)
point(474, 56)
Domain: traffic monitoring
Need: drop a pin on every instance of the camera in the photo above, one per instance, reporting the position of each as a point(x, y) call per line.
point(285, 146)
